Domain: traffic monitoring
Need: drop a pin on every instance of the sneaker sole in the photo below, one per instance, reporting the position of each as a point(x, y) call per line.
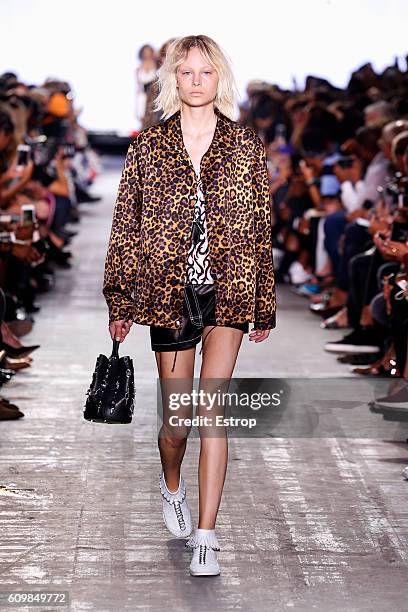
point(351, 348)
point(193, 573)
point(401, 407)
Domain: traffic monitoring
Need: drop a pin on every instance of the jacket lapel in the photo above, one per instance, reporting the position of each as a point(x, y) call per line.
point(214, 165)
point(221, 144)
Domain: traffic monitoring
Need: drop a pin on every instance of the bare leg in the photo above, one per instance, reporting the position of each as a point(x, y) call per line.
point(219, 357)
point(171, 445)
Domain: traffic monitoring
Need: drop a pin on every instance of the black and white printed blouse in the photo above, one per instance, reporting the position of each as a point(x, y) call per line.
point(198, 261)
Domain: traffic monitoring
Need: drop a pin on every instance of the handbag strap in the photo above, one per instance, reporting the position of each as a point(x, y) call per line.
point(115, 348)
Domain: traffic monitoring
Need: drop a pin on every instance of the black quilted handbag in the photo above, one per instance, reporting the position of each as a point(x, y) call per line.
point(110, 397)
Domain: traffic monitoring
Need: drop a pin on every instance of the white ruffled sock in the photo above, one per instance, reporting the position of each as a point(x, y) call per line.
point(203, 536)
point(204, 532)
point(171, 497)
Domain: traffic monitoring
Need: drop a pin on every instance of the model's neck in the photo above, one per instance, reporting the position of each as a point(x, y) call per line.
point(197, 120)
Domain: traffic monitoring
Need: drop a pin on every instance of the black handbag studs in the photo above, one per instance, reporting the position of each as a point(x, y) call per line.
point(110, 397)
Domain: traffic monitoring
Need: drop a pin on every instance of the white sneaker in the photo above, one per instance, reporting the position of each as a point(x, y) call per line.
point(176, 512)
point(204, 544)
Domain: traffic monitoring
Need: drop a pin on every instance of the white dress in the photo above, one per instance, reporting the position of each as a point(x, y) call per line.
point(198, 260)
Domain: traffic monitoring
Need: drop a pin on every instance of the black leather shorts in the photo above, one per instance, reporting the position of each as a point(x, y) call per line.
point(198, 311)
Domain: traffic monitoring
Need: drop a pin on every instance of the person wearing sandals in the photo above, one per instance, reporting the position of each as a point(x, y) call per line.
point(190, 255)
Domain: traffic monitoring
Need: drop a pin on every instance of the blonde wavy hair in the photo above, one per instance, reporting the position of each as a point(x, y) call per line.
point(168, 99)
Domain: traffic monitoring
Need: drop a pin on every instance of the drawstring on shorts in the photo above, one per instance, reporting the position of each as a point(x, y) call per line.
point(202, 344)
point(175, 354)
point(201, 350)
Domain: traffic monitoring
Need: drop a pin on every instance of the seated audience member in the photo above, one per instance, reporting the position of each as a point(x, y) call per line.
point(38, 199)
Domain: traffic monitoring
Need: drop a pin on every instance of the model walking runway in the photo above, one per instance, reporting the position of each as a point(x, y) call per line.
point(80, 503)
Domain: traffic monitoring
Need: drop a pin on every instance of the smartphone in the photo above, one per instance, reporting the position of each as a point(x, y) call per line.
point(345, 161)
point(23, 155)
point(28, 216)
point(68, 150)
point(399, 232)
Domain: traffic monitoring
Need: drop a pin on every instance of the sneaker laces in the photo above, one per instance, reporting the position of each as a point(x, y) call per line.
point(202, 554)
point(179, 515)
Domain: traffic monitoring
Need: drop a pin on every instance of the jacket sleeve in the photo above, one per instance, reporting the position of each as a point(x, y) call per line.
point(265, 297)
point(123, 248)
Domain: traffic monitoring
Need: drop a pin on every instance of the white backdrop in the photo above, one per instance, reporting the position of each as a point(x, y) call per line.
point(93, 43)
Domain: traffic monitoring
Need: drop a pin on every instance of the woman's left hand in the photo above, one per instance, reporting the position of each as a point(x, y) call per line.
point(258, 335)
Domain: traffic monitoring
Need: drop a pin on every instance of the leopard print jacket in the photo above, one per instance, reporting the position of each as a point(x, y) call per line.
point(151, 228)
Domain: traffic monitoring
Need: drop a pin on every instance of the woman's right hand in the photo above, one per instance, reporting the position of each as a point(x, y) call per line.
point(120, 329)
